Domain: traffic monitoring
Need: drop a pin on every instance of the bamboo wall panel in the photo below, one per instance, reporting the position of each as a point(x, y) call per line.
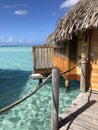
point(43, 57)
point(72, 63)
point(95, 51)
point(94, 60)
point(94, 76)
point(60, 63)
point(73, 75)
point(63, 65)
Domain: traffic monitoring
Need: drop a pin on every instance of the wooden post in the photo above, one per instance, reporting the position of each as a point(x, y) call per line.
point(40, 81)
point(83, 75)
point(67, 86)
point(55, 99)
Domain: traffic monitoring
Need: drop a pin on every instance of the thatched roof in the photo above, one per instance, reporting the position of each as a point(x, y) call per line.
point(82, 16)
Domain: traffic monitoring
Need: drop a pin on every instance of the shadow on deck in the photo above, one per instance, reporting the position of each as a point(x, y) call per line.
point(80, 115)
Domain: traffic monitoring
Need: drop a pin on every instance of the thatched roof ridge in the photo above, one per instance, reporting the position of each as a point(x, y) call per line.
point(82, 16)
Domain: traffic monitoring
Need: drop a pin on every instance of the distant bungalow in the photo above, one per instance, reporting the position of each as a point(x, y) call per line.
point(75, 38)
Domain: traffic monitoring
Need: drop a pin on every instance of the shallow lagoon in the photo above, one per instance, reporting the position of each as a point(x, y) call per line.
point(15, 83)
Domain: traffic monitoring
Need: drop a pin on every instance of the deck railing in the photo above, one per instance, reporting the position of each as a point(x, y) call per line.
point(42, 57)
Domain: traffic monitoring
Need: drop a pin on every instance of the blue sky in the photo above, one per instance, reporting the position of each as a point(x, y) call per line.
point(30, 21)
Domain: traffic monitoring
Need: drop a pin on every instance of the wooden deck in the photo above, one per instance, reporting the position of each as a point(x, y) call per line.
point(82, 114)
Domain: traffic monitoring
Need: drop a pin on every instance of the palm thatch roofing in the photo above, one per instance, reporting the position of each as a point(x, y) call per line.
point(82, 16)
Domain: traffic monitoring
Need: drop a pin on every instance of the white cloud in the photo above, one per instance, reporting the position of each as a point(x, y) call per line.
point(10, 6)
point(68, 3)
point(10, 39)
point(14, 6)
point(14, 41)
point(20, 12)
point(6, 40)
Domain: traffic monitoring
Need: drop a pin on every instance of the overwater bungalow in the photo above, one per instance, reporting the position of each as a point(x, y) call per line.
point(75, 38)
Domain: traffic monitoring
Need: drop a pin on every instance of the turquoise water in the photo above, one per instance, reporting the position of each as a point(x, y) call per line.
point(15, 83)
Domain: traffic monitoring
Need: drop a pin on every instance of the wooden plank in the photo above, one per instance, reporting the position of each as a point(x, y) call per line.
point(86, 122)
point(91, 115)
point(48, 56)
point(43, 58)
point(94, 65)
point(87, 119)
point(94, 87)
point(43, 71)
point(51, 57)
point(76, 126)
point(94, 76)
point(75, 123)
point(82, 113)
point(94, 80)
point(37, 58)
point(33, 55)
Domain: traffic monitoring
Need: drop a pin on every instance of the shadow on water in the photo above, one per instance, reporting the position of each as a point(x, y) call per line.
point(12, 83)
point(73, 84)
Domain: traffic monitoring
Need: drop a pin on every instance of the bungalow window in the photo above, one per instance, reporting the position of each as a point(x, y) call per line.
point(72, 49)
point(61, 51)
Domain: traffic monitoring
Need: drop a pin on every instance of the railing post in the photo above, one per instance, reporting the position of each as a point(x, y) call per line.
point(55, 99)
point(83, 75)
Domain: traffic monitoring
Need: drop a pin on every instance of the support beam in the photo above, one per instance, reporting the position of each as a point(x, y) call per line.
point(55, 99)
point(40, 81)
point(83, 75)
point(67, 85)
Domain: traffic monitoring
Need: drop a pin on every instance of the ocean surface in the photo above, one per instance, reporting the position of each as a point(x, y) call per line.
point(16, 66)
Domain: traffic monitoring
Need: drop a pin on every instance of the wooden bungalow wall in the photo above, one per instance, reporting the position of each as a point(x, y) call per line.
point(65, 61)
point(81, 44)
point(88, 49)
point(93, 69)
point(61, 60)
point(45, 58)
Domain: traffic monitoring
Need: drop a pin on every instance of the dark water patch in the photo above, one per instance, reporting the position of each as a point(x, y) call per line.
point(12, 83)
point(74, 84)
